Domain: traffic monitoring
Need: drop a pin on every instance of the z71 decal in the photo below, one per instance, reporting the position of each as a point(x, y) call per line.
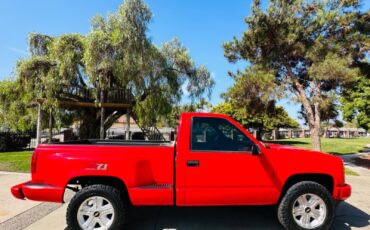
point(97, 166)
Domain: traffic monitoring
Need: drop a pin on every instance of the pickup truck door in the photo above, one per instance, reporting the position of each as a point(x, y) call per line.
point(220, 168)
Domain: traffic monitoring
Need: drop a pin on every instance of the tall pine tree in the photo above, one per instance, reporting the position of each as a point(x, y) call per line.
point(308, 46)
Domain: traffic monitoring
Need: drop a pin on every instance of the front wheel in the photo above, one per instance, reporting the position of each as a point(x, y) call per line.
point(96, 207)
point(306, 205)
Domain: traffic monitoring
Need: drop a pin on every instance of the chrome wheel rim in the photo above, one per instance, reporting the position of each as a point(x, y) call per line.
point(95, 213)
point(309, 211)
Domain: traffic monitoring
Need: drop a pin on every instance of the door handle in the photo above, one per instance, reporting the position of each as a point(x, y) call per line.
point(192, 163)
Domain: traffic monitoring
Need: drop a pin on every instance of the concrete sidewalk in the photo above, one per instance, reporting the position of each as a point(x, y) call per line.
point(17, 214)
point(355, 212)
point(10, 206)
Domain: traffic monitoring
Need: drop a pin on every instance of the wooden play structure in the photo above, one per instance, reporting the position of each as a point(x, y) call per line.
point(76, 97)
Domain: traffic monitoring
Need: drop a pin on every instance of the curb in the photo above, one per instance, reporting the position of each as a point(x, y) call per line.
point(14, 173)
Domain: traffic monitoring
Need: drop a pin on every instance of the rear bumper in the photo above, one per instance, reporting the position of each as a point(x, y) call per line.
point(38, 192)
point(342, 192)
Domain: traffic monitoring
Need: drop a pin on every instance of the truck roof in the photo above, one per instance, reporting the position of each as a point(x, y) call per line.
point(204, 114)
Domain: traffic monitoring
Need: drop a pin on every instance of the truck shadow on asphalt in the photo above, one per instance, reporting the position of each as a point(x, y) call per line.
point(202, 218)
point(349, 216)
point(251, 217)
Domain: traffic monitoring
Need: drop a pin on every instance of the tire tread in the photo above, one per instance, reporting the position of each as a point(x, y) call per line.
point(283, 212)
point(115, 195)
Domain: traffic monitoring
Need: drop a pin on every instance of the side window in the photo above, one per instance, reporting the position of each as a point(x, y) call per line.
point(217, 134)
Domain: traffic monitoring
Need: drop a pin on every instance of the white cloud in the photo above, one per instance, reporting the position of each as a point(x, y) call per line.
point(16, 50)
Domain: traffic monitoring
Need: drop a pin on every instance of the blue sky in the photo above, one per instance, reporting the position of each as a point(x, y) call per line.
point(202, 26)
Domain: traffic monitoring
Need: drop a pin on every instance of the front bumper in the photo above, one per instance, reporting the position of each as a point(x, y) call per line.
point(342, 192)
point(38, 192)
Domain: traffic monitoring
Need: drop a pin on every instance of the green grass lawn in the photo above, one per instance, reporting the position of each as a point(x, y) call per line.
point(330, 145)
point(15, 161)
point(350, 172)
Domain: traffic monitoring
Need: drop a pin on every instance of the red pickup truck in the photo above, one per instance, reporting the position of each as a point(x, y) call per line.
point(214, 161)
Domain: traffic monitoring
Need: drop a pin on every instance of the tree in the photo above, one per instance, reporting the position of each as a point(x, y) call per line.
point(45, 74)
point(116, 54)
point(356, 95)
point(251, 100)
point(119, 53)
point(260, 121)
point(173, 119)
point(328, 112)
point(308, 47)
point(355, 99)
point(14, 111)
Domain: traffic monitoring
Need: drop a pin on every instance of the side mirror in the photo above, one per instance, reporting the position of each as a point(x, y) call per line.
point(255, 150)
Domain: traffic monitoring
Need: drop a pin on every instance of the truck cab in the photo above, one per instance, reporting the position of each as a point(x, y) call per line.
point(219, 163)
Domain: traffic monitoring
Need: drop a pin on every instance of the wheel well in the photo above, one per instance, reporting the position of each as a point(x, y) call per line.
point(323, 179)
point(104, 180)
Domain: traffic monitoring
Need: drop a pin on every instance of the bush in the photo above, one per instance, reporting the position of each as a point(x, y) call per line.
point(13, 141)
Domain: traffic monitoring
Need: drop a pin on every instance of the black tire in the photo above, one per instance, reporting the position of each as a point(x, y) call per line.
point(285, 207)
point(107, 192)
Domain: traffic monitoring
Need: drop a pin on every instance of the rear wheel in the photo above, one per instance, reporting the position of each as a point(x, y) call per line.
point(96, 207)
point(306, 205)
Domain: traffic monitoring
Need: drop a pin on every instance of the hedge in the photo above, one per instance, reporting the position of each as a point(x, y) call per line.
point(13, 141)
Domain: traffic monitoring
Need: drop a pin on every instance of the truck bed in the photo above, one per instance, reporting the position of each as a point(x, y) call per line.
point(146, 167)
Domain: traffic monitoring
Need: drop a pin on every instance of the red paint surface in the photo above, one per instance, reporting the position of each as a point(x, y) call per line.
point(222, 178)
